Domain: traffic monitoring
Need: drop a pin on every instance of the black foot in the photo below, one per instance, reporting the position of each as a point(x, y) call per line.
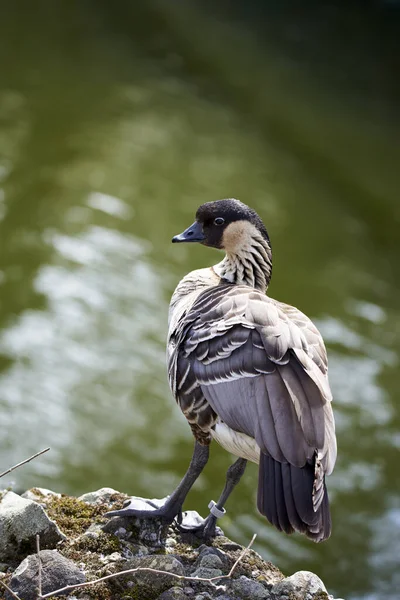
point(143, 508)
point(204, 529)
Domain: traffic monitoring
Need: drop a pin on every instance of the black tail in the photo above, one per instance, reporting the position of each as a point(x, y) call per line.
point(285, 498)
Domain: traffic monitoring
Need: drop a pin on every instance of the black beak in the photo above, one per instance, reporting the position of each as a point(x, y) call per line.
point(194, 233)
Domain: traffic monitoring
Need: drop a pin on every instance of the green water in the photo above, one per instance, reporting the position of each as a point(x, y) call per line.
point(115, 124)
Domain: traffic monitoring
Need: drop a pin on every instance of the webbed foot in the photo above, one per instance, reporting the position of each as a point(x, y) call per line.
point(142, 508)
point(205, 529)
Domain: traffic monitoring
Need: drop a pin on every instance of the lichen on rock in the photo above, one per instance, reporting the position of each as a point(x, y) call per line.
point(302, 585)
point(57, 572)
point(21, 520)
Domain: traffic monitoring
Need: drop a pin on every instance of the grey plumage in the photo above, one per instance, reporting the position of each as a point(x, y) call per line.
point(242, 361)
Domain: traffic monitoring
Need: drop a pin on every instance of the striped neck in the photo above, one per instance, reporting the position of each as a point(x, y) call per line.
point(251, 265)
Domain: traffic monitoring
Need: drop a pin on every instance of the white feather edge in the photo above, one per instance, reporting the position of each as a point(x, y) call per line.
point(236, 443)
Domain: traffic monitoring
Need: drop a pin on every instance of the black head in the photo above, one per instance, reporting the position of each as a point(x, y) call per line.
point(213, 221)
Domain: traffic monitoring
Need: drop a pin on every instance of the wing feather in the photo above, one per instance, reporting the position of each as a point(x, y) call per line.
point(288, 429)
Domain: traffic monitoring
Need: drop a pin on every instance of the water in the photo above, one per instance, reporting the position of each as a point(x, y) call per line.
point(115, 124)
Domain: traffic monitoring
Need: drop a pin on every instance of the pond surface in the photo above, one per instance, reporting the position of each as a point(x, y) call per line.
point(114, 127)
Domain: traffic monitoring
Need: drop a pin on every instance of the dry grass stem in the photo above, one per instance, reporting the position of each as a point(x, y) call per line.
point(39, 565)
point(9, 590)
point(24, 462)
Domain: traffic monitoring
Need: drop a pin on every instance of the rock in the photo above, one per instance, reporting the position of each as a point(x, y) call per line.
point(20, 521)
point(250, 590)
point(111, 558)
point(204, 549)
point(174, 593)
point(211, 561)
point(147, 584)
point(204, 596)
point(302, 585)
point(227, 545)
point(120, 532)
point(150, 532)
point(104, 495)
point(57, 572)
point(170, 543)
point(38, 494)
point(94, 529)
point(206, 573)
point(210, 550)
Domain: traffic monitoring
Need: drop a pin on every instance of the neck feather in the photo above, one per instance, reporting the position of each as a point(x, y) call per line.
point(251, 265)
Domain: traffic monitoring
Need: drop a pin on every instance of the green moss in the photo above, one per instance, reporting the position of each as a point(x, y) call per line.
point(103, 543)
point(119, 589)
point(321, 595)
point(251, 561)
point(72, 515)
point(159, 551)
point(138, 593)
point(37, 492)
point(185, 552)
point(98, 591)
point(133, 594)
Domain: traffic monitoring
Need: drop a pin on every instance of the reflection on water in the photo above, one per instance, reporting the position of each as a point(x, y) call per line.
point(107, 147)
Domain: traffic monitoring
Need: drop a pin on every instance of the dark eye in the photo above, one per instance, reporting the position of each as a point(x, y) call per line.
point(219, 221)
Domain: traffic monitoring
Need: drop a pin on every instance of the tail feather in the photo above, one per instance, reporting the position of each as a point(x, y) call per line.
point(293, 516)
point(285, 497)
point(283, 516)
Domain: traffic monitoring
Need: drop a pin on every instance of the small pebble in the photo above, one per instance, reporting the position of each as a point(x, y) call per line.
point(113, 557)
point(101, 496)
point(249, 590)
point(170, 543)
point(211, 561)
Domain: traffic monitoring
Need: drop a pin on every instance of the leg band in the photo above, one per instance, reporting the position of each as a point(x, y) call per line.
point(215, 511)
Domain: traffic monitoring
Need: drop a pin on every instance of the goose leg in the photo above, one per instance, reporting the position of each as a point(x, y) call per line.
point(167, 509)
point(207, 527)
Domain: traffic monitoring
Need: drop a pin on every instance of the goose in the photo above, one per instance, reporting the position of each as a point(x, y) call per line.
point(249, 372)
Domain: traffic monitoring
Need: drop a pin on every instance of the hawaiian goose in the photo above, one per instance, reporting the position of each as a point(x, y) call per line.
point(251, 373)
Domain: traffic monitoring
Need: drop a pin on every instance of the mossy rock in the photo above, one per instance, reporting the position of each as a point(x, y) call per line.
point(74, 516)
point(146, 584)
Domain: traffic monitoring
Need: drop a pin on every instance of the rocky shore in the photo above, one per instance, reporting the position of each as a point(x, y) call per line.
point(77, 545)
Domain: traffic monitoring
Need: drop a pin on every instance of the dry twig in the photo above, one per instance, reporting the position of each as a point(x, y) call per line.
point(9, 590)
point(211, 580)
point(39, 565)
point(24, 462)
